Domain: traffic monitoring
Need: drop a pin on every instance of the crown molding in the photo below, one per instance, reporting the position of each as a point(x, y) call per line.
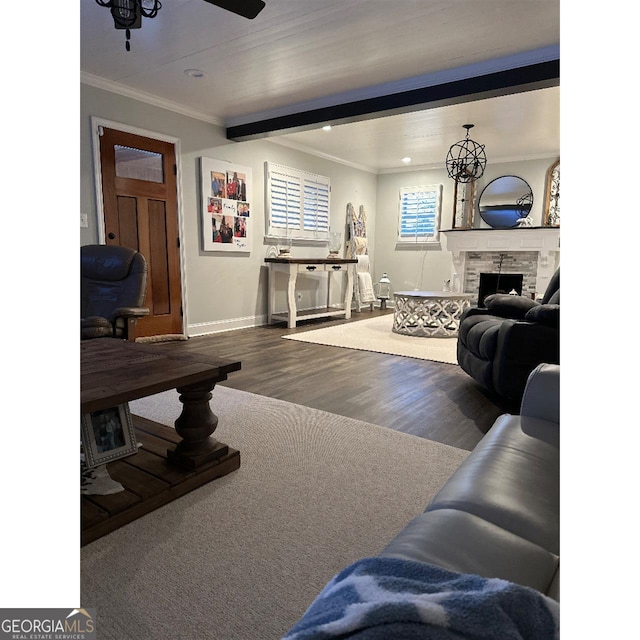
point(319, 154)
point(128, 92)
point(441, 165)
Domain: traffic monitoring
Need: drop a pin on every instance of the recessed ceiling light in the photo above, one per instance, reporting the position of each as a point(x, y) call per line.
point(406, 160)
point(327, 127)
point(194, 73)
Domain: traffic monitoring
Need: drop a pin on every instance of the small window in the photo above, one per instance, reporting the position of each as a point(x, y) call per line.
point(138, 164)
point(419, 214)
point(298, 203)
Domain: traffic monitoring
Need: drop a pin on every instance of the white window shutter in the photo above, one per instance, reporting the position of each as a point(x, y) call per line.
point(298, 203)
point(316, 205)
point(285, 201)
point(419, 214)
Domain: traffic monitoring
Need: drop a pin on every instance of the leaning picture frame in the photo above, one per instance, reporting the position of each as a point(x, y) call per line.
point(107, 435)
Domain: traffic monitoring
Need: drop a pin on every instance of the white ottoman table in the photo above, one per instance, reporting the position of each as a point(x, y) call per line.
point(432, 314)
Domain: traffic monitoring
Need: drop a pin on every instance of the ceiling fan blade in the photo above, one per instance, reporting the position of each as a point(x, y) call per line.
point(245, 8)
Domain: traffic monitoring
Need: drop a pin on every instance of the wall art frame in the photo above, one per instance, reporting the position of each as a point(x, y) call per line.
point(551, 216)
point(464, 204)
point(226, 206)
point(107, 435)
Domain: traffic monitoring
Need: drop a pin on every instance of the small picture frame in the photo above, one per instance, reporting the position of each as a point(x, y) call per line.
point(108, 435)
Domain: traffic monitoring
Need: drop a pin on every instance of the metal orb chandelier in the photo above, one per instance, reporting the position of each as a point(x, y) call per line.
point(466, 159)
point(127, 14)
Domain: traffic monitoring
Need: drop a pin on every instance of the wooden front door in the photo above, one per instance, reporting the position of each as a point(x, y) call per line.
point(141, 212)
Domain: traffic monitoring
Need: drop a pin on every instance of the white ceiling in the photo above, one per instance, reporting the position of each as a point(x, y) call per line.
point(309, 53)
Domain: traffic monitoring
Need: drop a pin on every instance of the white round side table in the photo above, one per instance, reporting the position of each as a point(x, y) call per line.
point(431, 314)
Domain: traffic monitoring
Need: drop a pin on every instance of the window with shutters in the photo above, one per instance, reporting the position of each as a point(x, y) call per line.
point(419, 214)
point(297, 202)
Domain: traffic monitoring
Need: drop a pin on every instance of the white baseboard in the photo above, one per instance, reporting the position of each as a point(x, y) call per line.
point(219, 326)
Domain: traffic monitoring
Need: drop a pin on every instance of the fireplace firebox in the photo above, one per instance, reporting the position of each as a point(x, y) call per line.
point(498, 283)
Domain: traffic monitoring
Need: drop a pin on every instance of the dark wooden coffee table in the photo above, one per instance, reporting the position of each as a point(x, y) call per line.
point(171, 462)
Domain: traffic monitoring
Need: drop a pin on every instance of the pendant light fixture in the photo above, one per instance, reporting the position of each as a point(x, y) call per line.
point(128, 14)
point(466, 159)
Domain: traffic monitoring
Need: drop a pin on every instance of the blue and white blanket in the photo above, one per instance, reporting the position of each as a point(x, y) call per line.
point(392, 599)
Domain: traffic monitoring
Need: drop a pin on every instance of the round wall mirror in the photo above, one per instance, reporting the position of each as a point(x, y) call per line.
point(504, 201)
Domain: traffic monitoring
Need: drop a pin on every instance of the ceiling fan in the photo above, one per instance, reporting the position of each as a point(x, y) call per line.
point(128, 14)
point(245, 8)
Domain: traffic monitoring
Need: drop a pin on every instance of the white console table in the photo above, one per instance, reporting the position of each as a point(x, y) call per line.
point(294, 266)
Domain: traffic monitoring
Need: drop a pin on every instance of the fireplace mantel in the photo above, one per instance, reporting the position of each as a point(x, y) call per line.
point(543, 240)
point(522, 239)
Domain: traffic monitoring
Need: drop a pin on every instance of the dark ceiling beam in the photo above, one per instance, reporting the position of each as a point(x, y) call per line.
point(526, 78)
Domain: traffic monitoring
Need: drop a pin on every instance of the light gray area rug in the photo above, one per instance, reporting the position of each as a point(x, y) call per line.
point(374, 334)
point(242, 557)
point(165, 337)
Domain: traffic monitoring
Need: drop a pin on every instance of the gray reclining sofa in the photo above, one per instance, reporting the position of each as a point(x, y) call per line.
point(498, 516)
point(500, 345)
point(482, 561)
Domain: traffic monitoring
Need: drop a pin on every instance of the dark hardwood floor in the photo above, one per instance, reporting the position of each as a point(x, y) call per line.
point(428, 399)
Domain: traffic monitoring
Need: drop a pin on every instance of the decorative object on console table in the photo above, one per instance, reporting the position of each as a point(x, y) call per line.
point(226, 206)
point(383, 290)
point(284, 246)
point(335, 242)
point(284, 252)
point(552, 196)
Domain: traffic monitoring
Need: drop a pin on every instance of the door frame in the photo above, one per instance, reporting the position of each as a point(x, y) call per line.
point(96, 124)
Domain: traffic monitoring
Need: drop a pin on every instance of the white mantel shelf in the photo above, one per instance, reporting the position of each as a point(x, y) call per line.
point(543, 240)
point(523, 239)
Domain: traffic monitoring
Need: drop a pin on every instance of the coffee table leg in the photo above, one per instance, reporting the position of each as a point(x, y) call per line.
point(195, 425)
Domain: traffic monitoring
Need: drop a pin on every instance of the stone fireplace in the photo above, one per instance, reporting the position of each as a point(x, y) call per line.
point(533, 252)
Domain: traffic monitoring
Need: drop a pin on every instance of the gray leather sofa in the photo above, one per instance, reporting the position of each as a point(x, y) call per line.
point(498, 516)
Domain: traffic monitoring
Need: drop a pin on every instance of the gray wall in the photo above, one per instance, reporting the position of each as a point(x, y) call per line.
point(229, 290)
point(427, 267)
point(223, 290)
